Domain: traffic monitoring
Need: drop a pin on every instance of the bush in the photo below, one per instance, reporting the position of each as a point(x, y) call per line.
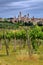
point(40, 23)
point(29, 23)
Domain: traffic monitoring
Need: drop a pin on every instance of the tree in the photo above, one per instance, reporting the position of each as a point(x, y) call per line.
point(6, 42)
point(35, 35)
point(29, 23)
point(40, 23)
point(1, 36)
point(28, 41)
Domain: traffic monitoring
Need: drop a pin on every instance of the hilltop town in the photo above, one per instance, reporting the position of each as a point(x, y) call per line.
point(25, 18)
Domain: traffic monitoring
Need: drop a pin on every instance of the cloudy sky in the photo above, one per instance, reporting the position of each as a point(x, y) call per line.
point(11, 8)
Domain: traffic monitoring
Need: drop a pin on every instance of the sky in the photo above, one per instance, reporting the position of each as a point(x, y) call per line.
point(11, 8)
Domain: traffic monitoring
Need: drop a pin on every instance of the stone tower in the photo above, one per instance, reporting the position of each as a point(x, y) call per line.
point(19, 16)
point(28, 15)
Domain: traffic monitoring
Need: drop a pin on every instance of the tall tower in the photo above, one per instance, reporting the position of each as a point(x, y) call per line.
point(20, 15)
point(25, 18)
point(33, 18)
point(28, 15)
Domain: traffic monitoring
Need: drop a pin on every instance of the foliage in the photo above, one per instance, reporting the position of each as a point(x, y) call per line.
point(35, 33)
point(40, 23)
point(29, 23)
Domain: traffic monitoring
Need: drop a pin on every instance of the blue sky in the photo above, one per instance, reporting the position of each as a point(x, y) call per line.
point(11, 8)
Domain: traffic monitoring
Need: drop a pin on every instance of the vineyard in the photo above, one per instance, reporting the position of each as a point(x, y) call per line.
point(26, 41)
point(8, 25)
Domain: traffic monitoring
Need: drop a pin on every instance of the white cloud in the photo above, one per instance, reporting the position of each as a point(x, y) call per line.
point(24, 4)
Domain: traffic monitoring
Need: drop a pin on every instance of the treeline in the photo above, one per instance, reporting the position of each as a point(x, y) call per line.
point(14, 25)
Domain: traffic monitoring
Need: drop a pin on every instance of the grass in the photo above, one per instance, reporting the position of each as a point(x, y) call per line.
point(20, 57)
